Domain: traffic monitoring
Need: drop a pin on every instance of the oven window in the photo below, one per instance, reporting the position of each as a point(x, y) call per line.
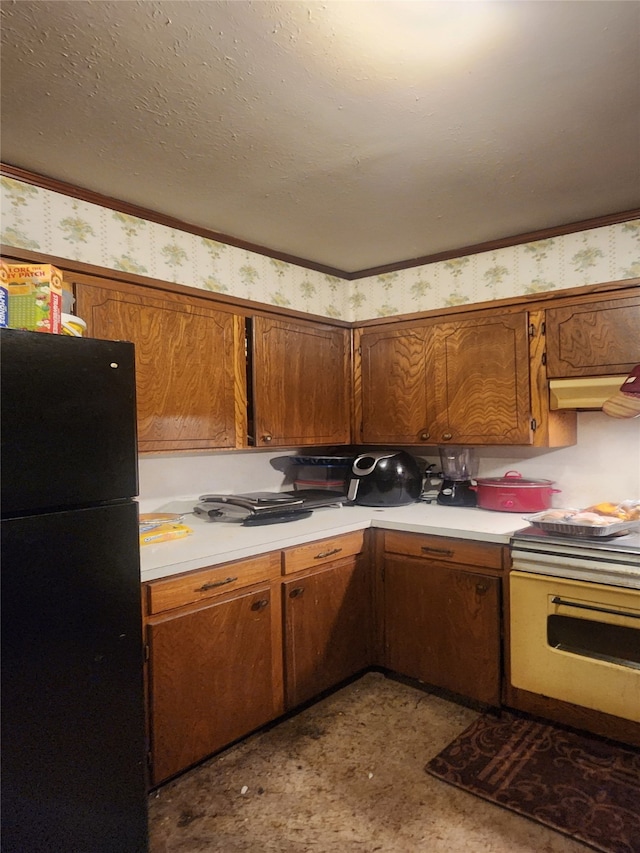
point(614, 643)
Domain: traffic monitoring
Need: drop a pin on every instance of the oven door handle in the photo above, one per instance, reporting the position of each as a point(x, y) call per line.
point(557, 600)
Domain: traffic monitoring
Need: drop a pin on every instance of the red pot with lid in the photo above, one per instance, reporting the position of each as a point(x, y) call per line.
point(514, 493)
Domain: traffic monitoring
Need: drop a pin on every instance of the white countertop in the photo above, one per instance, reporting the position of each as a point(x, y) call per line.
point(214, 542)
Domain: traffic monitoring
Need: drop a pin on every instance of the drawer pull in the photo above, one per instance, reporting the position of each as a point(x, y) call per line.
point(444, 552)
point(260, 605)
point(324, 554)
point(214, 584)
point(296, 592)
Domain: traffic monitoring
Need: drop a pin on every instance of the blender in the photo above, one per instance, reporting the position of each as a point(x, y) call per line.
point(459, 467)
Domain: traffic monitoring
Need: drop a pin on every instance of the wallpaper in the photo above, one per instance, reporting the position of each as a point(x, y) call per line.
point(55, 224)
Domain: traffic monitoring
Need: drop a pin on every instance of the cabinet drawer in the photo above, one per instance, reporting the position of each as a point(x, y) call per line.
point(464, 551)
point(324, 551)
point(207, 583)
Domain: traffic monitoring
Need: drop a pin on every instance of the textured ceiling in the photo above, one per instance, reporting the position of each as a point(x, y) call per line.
point(349, 134)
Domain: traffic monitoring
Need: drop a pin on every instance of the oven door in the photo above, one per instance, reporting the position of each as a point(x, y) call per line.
point(577, 642)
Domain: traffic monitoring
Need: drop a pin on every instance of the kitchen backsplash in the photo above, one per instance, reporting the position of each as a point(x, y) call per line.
point(179, 476)
point(55, 224)
point(604, 465)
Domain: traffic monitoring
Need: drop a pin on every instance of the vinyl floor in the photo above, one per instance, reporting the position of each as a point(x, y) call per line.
point(345, 775)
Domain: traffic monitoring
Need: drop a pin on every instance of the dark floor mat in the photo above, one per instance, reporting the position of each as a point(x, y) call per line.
point(585, 787)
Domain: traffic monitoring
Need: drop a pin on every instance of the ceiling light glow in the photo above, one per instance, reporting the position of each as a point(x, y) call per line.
point(420, 35)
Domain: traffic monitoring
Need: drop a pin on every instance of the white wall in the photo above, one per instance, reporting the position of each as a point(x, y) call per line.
point(180, 476)
point(604, 465)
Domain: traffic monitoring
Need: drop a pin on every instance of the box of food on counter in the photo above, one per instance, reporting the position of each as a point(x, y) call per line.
point(161, 527)
point(34, 296)
point(164, 533)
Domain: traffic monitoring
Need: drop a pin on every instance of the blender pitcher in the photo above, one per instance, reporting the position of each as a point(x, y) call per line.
point(459, 468)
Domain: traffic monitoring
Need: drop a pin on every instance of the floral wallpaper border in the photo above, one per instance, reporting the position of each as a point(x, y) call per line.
point(45, 221)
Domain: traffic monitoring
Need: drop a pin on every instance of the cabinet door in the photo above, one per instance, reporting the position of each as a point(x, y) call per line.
point(215, 676)
point(301, 383)
point(328, 628)
point(442, 626)
point(480, 374)
point(593, 339)
point(464, 381)
point(396, 401)
point(190, 374)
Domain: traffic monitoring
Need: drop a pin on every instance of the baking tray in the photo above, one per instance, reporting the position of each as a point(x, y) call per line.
point(590, 531)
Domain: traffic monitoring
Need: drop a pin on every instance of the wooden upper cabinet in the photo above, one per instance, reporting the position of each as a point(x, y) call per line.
point(460, 381)
point(593, 338)
point(479, 368)
point(190, 363)
point(395, 399)
point(301, 378)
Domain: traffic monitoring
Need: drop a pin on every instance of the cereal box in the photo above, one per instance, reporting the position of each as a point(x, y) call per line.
point(34, 295)
point(4, 305)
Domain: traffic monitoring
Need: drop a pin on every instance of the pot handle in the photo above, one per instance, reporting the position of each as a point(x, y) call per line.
point(513, 474)
point(555, 491)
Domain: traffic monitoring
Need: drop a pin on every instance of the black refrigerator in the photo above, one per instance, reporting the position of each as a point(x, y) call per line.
point(73, 734)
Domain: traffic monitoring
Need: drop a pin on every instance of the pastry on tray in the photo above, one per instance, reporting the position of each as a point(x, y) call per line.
point(602, 519)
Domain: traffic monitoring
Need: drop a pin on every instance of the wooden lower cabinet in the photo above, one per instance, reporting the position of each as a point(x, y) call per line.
point(215, 674)
point(328, 627)
point(231, 647)
point(442, 622)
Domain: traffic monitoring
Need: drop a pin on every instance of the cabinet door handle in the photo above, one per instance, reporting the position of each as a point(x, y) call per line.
point(444, 552)
point(324, 554)
point(481, 588)
point(296, 592)
point(424, 436)
point(214, 584)
point(267, 438)
point(260, 605)
point(447, 436)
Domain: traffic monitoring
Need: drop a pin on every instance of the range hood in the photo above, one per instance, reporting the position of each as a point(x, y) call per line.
point(583, 392)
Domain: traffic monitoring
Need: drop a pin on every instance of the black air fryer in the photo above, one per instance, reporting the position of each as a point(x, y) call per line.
point(384, 478)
